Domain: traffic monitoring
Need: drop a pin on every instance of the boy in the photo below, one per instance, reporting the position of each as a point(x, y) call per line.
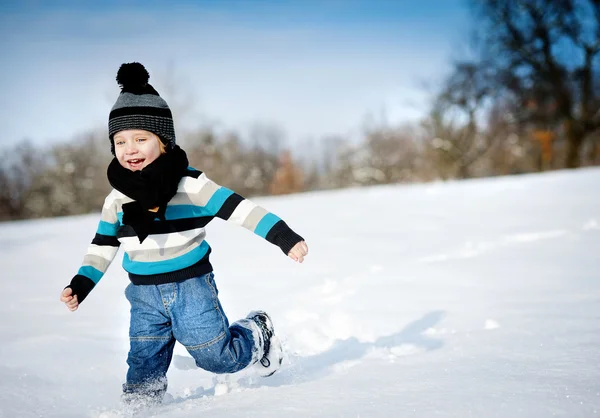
point(157, 210)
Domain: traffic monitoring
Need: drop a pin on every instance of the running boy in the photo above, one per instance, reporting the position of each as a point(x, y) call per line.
point(157, 210)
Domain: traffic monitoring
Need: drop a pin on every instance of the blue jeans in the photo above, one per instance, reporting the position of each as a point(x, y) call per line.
point(189, 312)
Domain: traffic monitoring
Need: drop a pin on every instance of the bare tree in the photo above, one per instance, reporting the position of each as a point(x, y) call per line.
point(455, 138)
point(288, 178)
point(247, 168)
point(543, 55)
point(18, 168)
point(73, 180)
point(392, 154)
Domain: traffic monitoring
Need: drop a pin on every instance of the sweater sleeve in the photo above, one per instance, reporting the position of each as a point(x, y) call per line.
point(224, 203)
point(100, 253)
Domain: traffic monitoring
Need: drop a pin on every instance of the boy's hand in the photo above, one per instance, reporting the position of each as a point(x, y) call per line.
point(298, 252)
point(71, 301)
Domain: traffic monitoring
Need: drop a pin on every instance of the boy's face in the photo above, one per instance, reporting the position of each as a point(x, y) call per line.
point(135, 148)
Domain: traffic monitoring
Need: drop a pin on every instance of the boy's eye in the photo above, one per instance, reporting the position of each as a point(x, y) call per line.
point(120, 142)
point(141, 139)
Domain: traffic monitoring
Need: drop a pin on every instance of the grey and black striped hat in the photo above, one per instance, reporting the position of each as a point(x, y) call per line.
point(139, 106)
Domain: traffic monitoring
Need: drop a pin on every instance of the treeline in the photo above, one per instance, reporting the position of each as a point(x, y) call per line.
point(70, 178)
point(527, 99)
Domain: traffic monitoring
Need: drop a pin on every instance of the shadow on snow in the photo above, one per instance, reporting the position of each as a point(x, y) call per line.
point(310, 368)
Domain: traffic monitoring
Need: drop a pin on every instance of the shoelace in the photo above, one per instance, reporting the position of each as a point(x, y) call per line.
point(267, 342)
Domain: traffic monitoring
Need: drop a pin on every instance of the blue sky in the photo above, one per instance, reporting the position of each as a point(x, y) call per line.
point(313, 68)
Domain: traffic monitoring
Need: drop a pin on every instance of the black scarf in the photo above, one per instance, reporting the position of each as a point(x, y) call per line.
point(153, 186)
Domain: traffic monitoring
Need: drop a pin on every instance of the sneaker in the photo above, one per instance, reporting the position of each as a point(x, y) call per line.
point(272, 349)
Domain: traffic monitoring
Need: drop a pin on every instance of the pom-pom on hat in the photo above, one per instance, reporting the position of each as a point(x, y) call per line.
point(139, 106)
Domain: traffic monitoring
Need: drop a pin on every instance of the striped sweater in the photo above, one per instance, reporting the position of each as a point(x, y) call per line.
point(176, 249)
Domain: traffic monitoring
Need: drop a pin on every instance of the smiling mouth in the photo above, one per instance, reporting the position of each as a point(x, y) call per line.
point(137, 162)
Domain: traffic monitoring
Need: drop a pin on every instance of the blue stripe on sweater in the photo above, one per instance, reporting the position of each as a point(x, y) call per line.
point(178, 212)
point(92, 273)
point(265, 224)
point(166, 266)
point(185, 211)
point(217, 200)
point(191, 211)
point(106, 228)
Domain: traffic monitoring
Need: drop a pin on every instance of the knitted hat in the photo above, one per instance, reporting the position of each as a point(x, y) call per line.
point(139, 106)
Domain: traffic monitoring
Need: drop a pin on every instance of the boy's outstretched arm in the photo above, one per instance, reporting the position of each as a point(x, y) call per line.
point(224, 203)
point(100, 254)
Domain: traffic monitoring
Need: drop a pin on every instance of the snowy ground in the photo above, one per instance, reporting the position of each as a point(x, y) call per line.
point(466, 299)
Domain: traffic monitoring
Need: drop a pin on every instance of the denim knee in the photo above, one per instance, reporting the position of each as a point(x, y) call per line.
point(216, 356)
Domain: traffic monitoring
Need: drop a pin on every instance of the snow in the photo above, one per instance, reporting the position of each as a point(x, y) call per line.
point(458, 299)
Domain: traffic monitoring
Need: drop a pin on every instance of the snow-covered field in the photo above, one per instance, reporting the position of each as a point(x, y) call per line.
point(466, 299)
